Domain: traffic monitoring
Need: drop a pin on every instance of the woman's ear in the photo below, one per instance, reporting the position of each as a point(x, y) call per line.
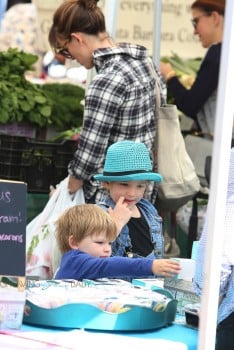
point(72, 243)
point(78, 36)
point(216, 17)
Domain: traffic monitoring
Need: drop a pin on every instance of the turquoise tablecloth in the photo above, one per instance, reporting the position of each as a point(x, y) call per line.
point(175, 332)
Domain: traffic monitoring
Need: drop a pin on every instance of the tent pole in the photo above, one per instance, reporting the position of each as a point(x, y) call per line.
point(157, 31)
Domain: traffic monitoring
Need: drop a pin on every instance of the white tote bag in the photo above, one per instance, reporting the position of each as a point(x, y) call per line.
point(180, 181)
point(42, 253)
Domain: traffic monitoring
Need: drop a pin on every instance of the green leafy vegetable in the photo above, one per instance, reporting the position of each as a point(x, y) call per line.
point(40, 105)
point(67, 110)
point(20, 99)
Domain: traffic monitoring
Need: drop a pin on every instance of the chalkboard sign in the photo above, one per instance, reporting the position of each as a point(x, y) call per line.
point(12, 228)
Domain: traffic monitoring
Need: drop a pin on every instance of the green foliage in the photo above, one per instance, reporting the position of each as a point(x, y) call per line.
point(41, 105)
point(20, 99)
point(67, 110)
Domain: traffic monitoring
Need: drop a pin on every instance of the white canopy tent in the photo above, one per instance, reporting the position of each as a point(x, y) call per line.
point(218, 188)
point(220, 163)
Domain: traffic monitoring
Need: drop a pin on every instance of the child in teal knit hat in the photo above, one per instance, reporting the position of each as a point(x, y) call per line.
point(126, 175)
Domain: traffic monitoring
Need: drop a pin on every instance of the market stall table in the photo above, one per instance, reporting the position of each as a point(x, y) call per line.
point(176, 336)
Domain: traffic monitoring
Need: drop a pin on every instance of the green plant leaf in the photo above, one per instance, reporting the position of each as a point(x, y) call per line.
point(46, 111)
point(4, 117)
point(40, 99)
point(25, 106)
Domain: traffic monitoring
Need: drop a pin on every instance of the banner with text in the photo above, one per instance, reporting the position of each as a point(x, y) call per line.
point(136, 22)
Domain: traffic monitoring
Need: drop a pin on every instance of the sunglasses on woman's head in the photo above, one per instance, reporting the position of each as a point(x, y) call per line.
point(196, 20)
point(63, 51)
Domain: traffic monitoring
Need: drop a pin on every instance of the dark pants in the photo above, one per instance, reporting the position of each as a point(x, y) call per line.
point(225, 334)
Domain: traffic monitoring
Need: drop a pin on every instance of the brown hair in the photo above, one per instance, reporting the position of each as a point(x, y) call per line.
point(210, 5)
point(81, 221)
point(74, 16)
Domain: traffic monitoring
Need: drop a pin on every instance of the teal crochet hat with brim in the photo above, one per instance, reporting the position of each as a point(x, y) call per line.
point(128, 161)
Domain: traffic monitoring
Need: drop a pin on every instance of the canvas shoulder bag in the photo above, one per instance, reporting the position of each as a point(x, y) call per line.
point(180, 181)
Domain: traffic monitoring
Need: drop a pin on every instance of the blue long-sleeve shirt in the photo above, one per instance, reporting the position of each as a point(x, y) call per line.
point(78, 265)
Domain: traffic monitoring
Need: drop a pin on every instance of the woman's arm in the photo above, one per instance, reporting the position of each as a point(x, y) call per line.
point(190, 101)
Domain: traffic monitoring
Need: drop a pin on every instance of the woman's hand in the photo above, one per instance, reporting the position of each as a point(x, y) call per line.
point(74, 184)
point(167, 71)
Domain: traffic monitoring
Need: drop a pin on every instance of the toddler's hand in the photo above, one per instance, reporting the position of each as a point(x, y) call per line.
point(121, 213)
point(166, 267)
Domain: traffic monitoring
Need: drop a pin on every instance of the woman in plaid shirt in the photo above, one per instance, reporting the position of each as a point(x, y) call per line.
point(120, 100)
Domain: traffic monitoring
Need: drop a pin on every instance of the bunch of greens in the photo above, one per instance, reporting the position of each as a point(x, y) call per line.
point(186, 70)
point(182, 66)
point(67, 109)
point(21, 100)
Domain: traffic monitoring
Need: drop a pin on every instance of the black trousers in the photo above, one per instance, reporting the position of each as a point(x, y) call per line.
point(225, 334)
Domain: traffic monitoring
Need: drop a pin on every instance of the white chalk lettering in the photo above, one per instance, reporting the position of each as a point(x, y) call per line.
point(5, 197)
point(10, 219)
point(11, 237)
